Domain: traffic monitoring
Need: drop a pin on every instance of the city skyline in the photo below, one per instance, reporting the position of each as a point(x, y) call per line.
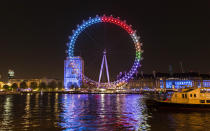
point(34, 36)
point(104, 65)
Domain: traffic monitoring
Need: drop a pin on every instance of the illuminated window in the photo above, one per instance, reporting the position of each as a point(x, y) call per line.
point(202, 101)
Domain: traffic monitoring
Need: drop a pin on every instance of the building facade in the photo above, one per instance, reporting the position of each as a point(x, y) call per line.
point(73, 72)
point(175, 81)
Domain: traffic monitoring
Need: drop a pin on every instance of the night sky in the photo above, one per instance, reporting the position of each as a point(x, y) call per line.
point(33, 36)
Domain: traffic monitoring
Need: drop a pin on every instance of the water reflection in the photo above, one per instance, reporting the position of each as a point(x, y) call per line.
point(27, 114)
point(7, 113)
point(103, 112)
point(194, 120)
point(54, 111)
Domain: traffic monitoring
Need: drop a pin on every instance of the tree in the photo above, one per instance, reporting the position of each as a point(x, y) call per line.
point(23, 85)
point(14, 86)
point(60, 85)
point(72, 87)
point(6, 87)
point(33, 85)
point(52, 85)
point(42, 85)
point(84, 86)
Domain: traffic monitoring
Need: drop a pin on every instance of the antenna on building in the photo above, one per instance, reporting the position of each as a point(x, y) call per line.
point(181, 66)
point(154, 73)
point(170, 70)
point(142, 74)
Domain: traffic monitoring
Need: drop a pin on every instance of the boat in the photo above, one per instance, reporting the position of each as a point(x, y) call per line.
point(185, 98)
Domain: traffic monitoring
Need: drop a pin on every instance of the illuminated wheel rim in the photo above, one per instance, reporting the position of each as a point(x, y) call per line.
point(108, 19)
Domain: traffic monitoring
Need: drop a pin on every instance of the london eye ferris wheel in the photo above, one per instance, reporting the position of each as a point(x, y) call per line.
point(116, 21)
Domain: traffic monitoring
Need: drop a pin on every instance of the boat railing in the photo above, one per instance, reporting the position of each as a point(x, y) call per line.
point(164, 96)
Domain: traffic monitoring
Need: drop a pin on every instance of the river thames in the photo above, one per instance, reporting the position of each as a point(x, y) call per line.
point(54, 111)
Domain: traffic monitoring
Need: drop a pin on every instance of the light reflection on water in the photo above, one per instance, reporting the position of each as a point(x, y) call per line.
point(6, 114)
point(103, 112)
point(54, 111)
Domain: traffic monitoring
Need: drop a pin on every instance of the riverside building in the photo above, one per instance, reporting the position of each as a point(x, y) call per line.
point(165, 80)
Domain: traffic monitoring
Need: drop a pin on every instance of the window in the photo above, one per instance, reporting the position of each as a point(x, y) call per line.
point(194, 95)
point(202, 91)
point(202, 101)
point(190, 95)
point(207, 101)
point(185, 95)
point(182, 95)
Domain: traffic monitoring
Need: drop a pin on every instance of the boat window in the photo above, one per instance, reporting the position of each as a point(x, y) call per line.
point(182, 95)
point(202, 91)
point(194, 95)
point(185, 95)
point(190, 95)
point(207, 101)
point(202, 101)
point(205, 91)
